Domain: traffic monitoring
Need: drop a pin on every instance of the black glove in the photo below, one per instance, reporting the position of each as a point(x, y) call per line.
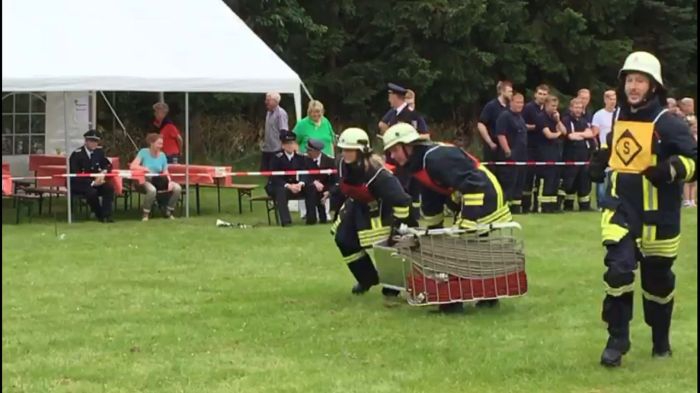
point(598, 164)
point(664, 173)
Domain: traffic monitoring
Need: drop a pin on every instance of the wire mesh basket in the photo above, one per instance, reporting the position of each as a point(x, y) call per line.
point(451, 265)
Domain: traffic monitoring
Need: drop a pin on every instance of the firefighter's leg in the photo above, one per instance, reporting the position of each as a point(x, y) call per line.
point(658, 283)
point(529, 202)
point(414, 189)
point(433, 208)
point(549, 185)
point(518, 186)
point(354, 255)
point(506, 177)
point(568, 185)
point(584, 189)
point(621, 261)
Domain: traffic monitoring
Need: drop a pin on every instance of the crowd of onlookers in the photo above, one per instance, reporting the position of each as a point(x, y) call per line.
point(510, 131)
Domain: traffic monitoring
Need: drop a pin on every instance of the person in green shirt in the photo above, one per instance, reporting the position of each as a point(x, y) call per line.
point(315, 126)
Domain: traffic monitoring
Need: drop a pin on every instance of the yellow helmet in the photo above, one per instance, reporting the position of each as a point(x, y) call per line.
point(643, 62)
point(354, 138)
point(399, 133)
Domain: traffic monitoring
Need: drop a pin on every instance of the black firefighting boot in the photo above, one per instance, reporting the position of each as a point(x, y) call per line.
point(487, 303)
point(389, 292)
point(658, 316)
point(451, 308)
point(617, 346)
point(364, 272)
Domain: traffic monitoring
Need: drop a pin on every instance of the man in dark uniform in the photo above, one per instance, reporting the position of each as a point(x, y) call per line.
point(575, 179)
point(448, 177)
point(288, 187)
point(549, 125)
point(534, 139)
point(90, 158)
point(401, 112)
point(397, 100)
point(316, 159)
point(511, 132)
point(488, 117)
point(651, 154)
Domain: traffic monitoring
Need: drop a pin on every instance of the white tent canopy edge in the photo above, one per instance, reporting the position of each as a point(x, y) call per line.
point(210, 50)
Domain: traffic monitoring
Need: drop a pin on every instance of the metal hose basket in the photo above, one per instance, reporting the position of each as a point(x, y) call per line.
point(453, 265)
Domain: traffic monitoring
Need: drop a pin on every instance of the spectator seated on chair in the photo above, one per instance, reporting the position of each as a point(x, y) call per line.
point(159, 188)
point(90, 158)
point(317, 159)
point(284, 188)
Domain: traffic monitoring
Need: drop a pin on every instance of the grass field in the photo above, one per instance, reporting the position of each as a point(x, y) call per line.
point(187, 307)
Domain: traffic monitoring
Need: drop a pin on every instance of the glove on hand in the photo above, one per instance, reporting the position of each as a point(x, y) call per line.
point(664, 173)
point(598, 164)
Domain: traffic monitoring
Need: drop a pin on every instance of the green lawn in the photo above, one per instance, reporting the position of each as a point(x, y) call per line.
point(187, 307)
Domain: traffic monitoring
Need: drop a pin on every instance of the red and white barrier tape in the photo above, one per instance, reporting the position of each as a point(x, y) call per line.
point(537, 163)
point(128, 174)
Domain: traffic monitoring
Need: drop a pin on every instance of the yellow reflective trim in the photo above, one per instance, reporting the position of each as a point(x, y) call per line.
point(610, 231)
point(650, 203)
point(541, 197)
point(401, 211)
point(376, 222)
point(570, 197)
point(354, 257)
point(500, 215)
point(561, 192)
point(465, 224)
point(547, 199)
point(661, 248)
point(613, 183)
point(658, 299)
point(620, 290)
point(496, 185)
point(434, 220)
point(584, 199)
point(515, 202)
point(415, 204)
point(689, 166)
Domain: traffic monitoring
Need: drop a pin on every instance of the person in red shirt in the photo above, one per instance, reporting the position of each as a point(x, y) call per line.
point(172, 141)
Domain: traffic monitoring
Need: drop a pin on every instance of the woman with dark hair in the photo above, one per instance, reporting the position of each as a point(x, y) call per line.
point(152, 161)
point(376, 205)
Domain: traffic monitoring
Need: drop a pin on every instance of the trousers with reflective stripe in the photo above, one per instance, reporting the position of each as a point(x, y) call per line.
point(634, 236)
point(357, 227)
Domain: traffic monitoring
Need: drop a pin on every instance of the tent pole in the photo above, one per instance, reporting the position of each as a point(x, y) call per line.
point(65, 135)
point(116, 117)
point(187, 154)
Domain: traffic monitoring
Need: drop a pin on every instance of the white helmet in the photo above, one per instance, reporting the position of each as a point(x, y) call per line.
point(643, 62)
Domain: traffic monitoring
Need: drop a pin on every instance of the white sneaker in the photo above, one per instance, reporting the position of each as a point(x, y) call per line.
point(687, 203)
point(145, 218)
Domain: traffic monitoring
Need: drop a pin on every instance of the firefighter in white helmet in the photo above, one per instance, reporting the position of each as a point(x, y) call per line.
point(650, 154)
point(449, 177)
point(375, 207)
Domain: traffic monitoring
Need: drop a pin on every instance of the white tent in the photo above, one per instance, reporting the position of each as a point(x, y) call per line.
point(137, 45)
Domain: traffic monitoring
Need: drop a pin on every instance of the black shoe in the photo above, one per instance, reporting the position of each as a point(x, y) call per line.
point(451, 308)
point(359, 289)
point(489, 303)
point(311, 222)
point(661, 353)
point(613, 352)
point(286, 224)
point(108, 220)
point(388, 292)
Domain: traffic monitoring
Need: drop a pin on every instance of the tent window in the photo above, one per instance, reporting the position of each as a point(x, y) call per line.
point(23, 123)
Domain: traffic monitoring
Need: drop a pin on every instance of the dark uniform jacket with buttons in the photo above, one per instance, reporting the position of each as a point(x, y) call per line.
point(326, 163)
point(81, 162)
point(280, 162)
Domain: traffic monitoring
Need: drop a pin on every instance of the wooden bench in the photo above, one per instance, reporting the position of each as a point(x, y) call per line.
point(270, 206)
point(19, 200)
point(41, 191)
point(242, 190)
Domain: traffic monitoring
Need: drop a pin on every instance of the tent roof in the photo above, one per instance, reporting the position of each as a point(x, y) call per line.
point(135, 45)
